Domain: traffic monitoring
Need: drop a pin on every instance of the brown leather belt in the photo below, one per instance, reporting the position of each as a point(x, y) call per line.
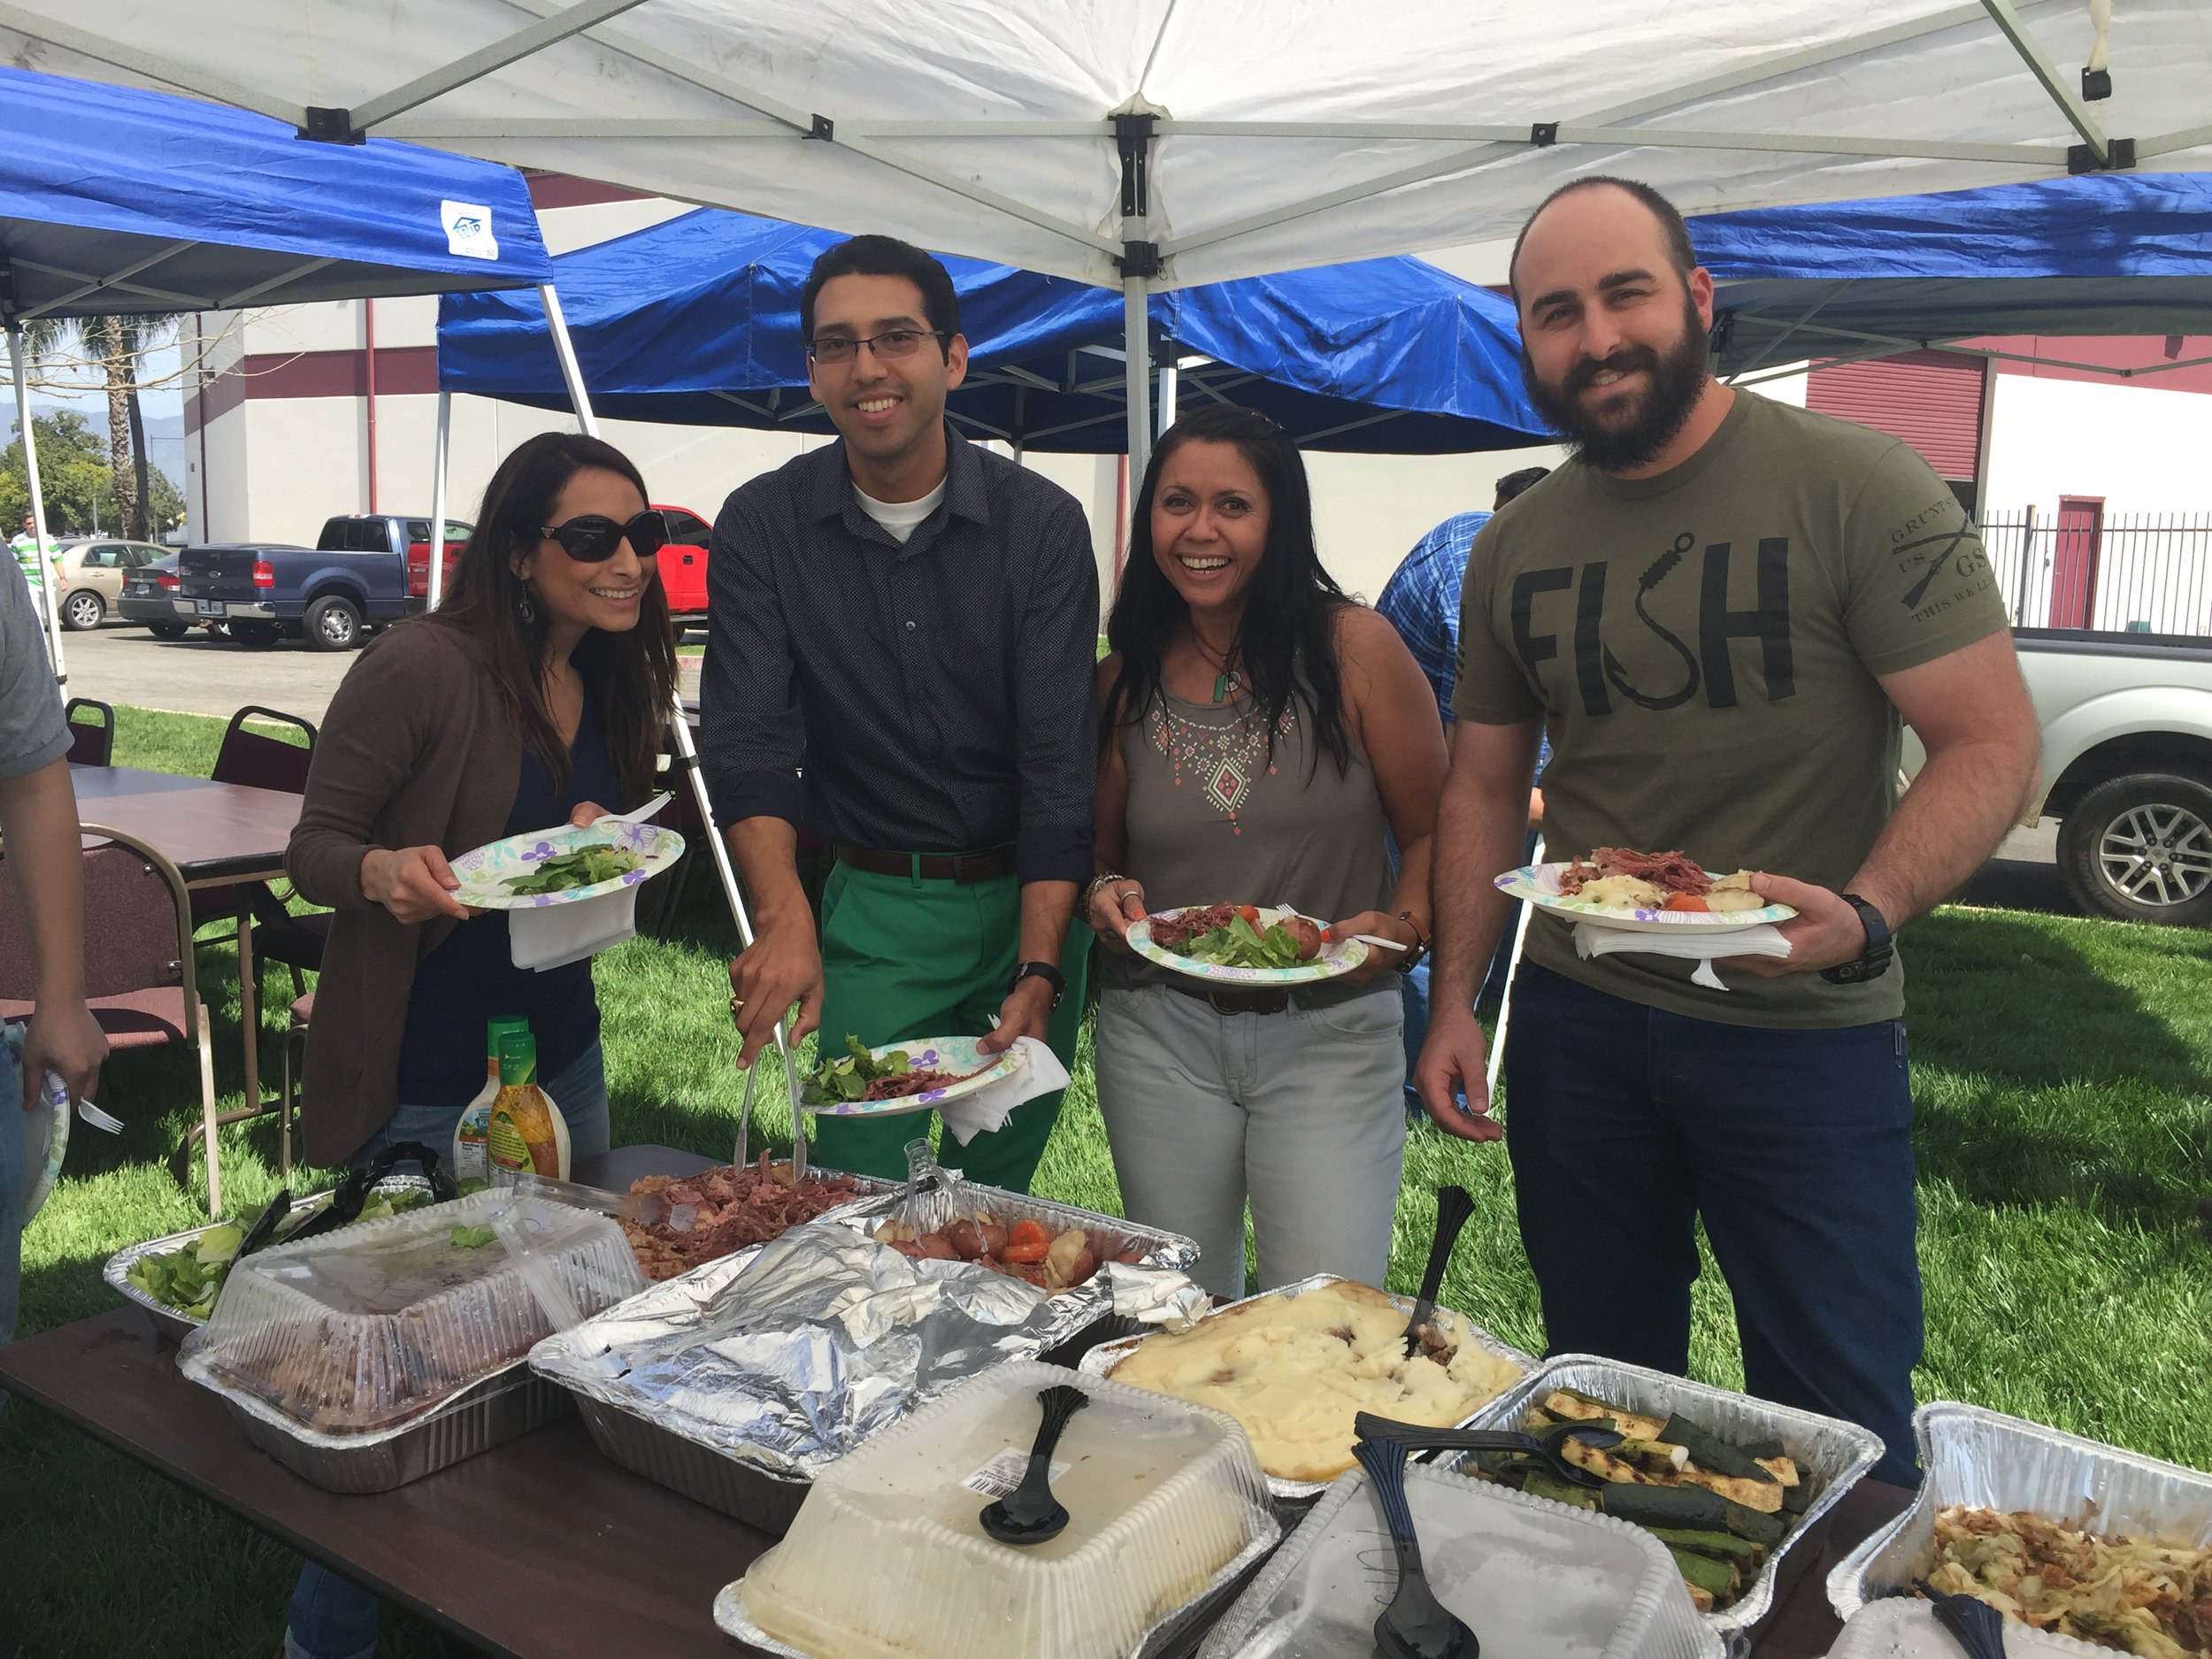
point(960, 867)
point(1270, 1002)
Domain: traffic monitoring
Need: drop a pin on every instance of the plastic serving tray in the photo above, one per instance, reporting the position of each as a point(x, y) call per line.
point(1835, 1456)
point(1533, 1580)
point(1981, 1458)
point(1905, 1627)
point(1290, 1495)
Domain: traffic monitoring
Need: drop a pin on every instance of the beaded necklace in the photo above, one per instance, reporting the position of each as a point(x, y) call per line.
point(1227, 758)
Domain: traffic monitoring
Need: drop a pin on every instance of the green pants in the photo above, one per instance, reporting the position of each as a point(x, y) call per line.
point(903, 957)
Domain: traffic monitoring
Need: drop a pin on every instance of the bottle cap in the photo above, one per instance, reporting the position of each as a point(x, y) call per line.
point(518, 1058)
point(498, 1027)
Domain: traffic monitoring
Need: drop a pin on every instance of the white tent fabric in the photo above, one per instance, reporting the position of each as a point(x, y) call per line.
point(1288, 133)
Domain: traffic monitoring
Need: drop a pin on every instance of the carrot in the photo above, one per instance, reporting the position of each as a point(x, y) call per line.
point(1686, 902)
point(1028, 1250)
point(1025, 1233)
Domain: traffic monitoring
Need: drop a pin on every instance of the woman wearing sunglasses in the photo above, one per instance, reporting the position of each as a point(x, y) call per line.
point(535, 695)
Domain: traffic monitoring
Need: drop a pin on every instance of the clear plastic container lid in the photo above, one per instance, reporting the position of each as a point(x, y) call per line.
point(1160, 1495)
point(1905, 1627)
point(1532, 1579)
point(377, 1323)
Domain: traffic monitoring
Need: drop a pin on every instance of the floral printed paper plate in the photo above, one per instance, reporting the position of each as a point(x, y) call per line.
point(1336, 958)
point(959, 1056)
point(485, 873)
point(1539, 885)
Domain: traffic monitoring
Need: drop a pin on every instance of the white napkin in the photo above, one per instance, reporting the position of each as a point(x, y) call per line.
point(1699, 946)
point(553, 935)
point(986, 1109)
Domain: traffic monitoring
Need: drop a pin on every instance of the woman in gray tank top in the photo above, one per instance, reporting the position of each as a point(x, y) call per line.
point(1260, 733)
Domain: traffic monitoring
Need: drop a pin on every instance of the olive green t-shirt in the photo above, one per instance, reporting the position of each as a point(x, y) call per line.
point(1704, 649)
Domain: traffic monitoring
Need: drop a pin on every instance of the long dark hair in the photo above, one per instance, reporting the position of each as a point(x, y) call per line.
point(1287, 642)
point(633, 674)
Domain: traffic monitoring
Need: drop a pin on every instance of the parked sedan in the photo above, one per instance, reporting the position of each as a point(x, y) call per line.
point(93, 575)
point(149, 595)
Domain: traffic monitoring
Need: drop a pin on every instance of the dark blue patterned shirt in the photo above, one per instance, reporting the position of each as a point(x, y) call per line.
point(936, 696)
point(1421, 599)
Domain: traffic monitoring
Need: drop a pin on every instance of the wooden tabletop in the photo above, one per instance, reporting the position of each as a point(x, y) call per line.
point(213, 832)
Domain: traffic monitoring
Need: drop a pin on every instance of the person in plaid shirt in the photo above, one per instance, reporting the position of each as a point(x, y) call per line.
point(1421, 599)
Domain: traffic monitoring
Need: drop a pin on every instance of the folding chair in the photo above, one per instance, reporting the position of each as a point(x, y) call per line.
point(139, 978)
point(91, 742)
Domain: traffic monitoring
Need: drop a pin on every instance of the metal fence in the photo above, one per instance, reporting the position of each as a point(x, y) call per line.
point(2126, 573)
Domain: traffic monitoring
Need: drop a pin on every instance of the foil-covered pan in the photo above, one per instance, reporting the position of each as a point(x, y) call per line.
point(1176, 1632)
point(1835, 1456)
point(501, 1406)
point(1294, 1494)
point(170, 1322)
point(1975, 1456)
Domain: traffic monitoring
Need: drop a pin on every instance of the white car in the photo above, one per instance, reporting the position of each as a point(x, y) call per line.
point(92, 573)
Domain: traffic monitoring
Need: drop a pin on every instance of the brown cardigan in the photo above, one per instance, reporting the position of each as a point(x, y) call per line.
point(418, 749)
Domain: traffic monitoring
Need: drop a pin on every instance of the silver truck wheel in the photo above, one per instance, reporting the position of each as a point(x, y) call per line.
point(2139, 848)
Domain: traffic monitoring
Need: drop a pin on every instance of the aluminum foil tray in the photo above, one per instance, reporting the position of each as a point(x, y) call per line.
point(1976, 1456)
point(1905, 1628)
point(501, 1406)
point(1834, 1454)
point(167, 1320)
point(1079, 1311)
point(748, 1492)
point(1175, 1633)
point(1295, 1496)
point(1335, 1570)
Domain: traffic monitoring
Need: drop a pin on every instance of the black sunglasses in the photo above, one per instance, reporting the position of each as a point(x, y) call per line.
point(592, 539)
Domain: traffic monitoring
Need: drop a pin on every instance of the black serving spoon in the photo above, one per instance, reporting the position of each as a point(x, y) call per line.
point(1415, 1626)
point(1541, 1444)
point(1030, 1514)
point(1977, 1627)
point(1453, 1206)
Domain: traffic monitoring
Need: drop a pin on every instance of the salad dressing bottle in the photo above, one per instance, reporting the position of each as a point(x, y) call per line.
point(526, 1131)
point(468, 1134)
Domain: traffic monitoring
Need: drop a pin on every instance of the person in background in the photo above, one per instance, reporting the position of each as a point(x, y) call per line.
point(1421, 601)
point(902, 629)
point(40, 849)
point(1723, 608)
point(535, 694)
point(1262, 736)
point(42, 575)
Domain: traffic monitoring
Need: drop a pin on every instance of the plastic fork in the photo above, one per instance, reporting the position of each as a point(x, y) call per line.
point(1415, 1626)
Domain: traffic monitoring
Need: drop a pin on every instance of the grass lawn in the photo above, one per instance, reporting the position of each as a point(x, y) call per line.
point(2063, 1078)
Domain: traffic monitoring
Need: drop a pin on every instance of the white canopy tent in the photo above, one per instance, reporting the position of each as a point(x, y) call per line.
point(1145, 143)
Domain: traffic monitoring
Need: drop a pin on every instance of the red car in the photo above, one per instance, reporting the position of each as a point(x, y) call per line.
point(683, 562)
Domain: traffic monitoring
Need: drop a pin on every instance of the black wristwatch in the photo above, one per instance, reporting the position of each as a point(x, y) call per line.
point(1872, 963)
point(1044, 971)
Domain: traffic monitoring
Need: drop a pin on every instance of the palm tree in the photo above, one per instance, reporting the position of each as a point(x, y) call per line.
point(118, 344)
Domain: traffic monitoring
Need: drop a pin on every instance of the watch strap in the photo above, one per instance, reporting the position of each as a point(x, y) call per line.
point(1048, 972)
point(1874, 960)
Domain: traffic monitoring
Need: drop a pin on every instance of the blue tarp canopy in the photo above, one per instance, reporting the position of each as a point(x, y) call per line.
point(2114, 253)
point(697, 321)
point(119, 201)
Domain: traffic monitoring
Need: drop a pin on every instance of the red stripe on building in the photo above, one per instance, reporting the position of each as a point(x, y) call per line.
point(558, 190)
point(1933, 400)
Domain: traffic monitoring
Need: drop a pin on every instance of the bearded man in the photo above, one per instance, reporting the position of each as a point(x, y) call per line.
point(1719, 612)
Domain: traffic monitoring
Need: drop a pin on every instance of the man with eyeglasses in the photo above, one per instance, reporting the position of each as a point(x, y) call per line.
point(901, 632)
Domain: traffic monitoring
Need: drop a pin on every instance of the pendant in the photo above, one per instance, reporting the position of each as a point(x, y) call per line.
point(1224, 684)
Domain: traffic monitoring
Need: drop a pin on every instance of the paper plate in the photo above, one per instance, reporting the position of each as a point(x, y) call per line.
point(485, 873)
point(1335, 961)
point(957, 1054)
point(45, 1140)
point(1539, 885)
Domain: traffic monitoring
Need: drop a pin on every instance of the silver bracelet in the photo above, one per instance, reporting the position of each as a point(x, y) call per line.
point(1099, 884)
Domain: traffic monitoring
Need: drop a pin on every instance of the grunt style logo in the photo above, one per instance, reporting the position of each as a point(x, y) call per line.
point(468, 230)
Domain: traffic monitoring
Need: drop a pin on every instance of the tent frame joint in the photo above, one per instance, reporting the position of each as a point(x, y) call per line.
point(2120, 157)
point(2096, 85)
point(325, 124)
point(822, 128)
point(1139, 259)
point(1543, 134)
point(1133, 134)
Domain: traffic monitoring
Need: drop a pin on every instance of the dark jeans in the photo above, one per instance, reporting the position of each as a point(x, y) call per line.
point(1626, 1124)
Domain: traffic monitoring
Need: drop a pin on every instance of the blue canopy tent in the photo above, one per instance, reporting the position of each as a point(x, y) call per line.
point(120, 202)
point(2110, 253)
point(697, 321)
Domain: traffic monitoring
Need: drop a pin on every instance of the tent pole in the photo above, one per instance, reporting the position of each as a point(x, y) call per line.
point(1505, 998)
point(437, 591)
point(687, 763)
point(38, 502)
point(1167, 393)
point(571, 372)
point(1136, 338)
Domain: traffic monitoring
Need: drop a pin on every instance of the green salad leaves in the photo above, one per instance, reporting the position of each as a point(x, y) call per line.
point(585, 867)
point(1241, 945)
point(189, 1279)
point(837, 1081)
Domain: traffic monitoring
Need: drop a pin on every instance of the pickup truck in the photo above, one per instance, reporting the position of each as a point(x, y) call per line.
point(2127, 768)
point(266, 591)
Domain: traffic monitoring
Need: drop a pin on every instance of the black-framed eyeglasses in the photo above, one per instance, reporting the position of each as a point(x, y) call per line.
point(892, 342)
point(593, 538)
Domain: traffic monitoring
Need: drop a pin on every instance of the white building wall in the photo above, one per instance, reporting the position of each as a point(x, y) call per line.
point(2143, 450)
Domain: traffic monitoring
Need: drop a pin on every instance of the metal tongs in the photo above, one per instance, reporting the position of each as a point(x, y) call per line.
point(648, 1209)
point(1542, 1445)
point(345, 1204)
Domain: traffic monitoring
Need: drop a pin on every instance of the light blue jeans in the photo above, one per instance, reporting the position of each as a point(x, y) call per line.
point(330, 1617)
point(1298, 1113)
point(12, 1177)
